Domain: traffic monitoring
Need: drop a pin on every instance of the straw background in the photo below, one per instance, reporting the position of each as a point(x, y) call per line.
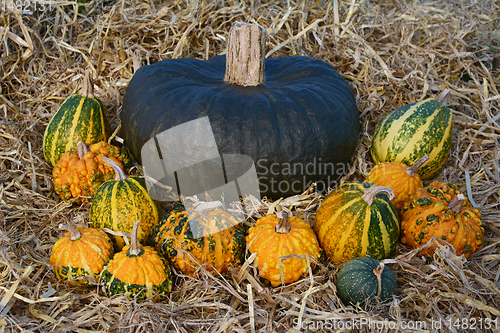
point(391, 52)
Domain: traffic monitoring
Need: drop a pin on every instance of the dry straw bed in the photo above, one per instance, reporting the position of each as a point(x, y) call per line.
point(391, 52)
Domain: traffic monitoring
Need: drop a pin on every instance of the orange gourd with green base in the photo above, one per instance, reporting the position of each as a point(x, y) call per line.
point(402, 179)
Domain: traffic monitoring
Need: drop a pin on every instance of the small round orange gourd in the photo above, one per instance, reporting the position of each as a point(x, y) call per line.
point(282, 245)
point(403, 180)
point(80, 254)
point(440, 210)
point(81, 172)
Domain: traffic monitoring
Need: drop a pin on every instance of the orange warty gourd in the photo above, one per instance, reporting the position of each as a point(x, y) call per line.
point(403, 180)
point(81, 253)
point(274, 239)
point(440, 210)
point(81, 172)
point(214, 239)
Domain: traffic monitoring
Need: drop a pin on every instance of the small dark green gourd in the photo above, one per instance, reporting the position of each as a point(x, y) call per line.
point(363, 279)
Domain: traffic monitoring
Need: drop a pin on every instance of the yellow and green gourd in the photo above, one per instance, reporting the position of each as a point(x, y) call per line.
point(79, 256)
point(408, 133)
point(356, 220)
point(138, 272)
point(118, 203)
point(79, 118)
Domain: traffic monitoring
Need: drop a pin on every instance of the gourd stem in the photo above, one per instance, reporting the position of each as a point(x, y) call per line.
point(456, 203)
point(119, 173)
point(370, 194)
point(82, 149)
point(283, 226)
point(412, 171)
point(134, 242)
point(378, 273)
point(204, 207)
point(88, 86)
point(245, 54)
point(74, 234)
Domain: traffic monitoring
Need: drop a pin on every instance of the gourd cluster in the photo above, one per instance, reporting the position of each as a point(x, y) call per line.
point(87, 167)
point(357, 225)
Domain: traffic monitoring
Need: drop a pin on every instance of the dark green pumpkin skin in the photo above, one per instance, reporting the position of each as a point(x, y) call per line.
point(356, 282)
point(300, 126)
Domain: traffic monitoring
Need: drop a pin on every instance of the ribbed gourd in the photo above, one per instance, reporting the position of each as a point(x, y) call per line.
point(121, 201)
point(79, 256)
point(356, 220)
point(399, 177)
point(408, 133)
point(138, 272)
point(79, 118)
point(80, 173)
point(365, 280)
point(440, 210)
point(282, 245)
point(213, 238)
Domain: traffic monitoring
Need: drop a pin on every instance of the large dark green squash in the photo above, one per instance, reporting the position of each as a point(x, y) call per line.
point(299, 124)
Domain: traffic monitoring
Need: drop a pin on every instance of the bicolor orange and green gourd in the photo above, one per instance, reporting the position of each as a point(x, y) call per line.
point(138, 272)
point(408, 133)
point(79, 256)
point(214, 239)
point(82, 172)
point(356, 220)
point(79, 118)
point(399, 177)
point(282, 245)
point(440, 210)
point(121, 201)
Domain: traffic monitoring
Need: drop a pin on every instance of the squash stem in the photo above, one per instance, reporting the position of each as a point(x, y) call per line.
point(283, 226)
point(88, 86)
point(134, 242)
point(378, 273)
point(119, 173)
point(412, 171)
point(82, 149)
point(74, 234)
point(245, 54)
point(456, 203)
point(370, 194)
